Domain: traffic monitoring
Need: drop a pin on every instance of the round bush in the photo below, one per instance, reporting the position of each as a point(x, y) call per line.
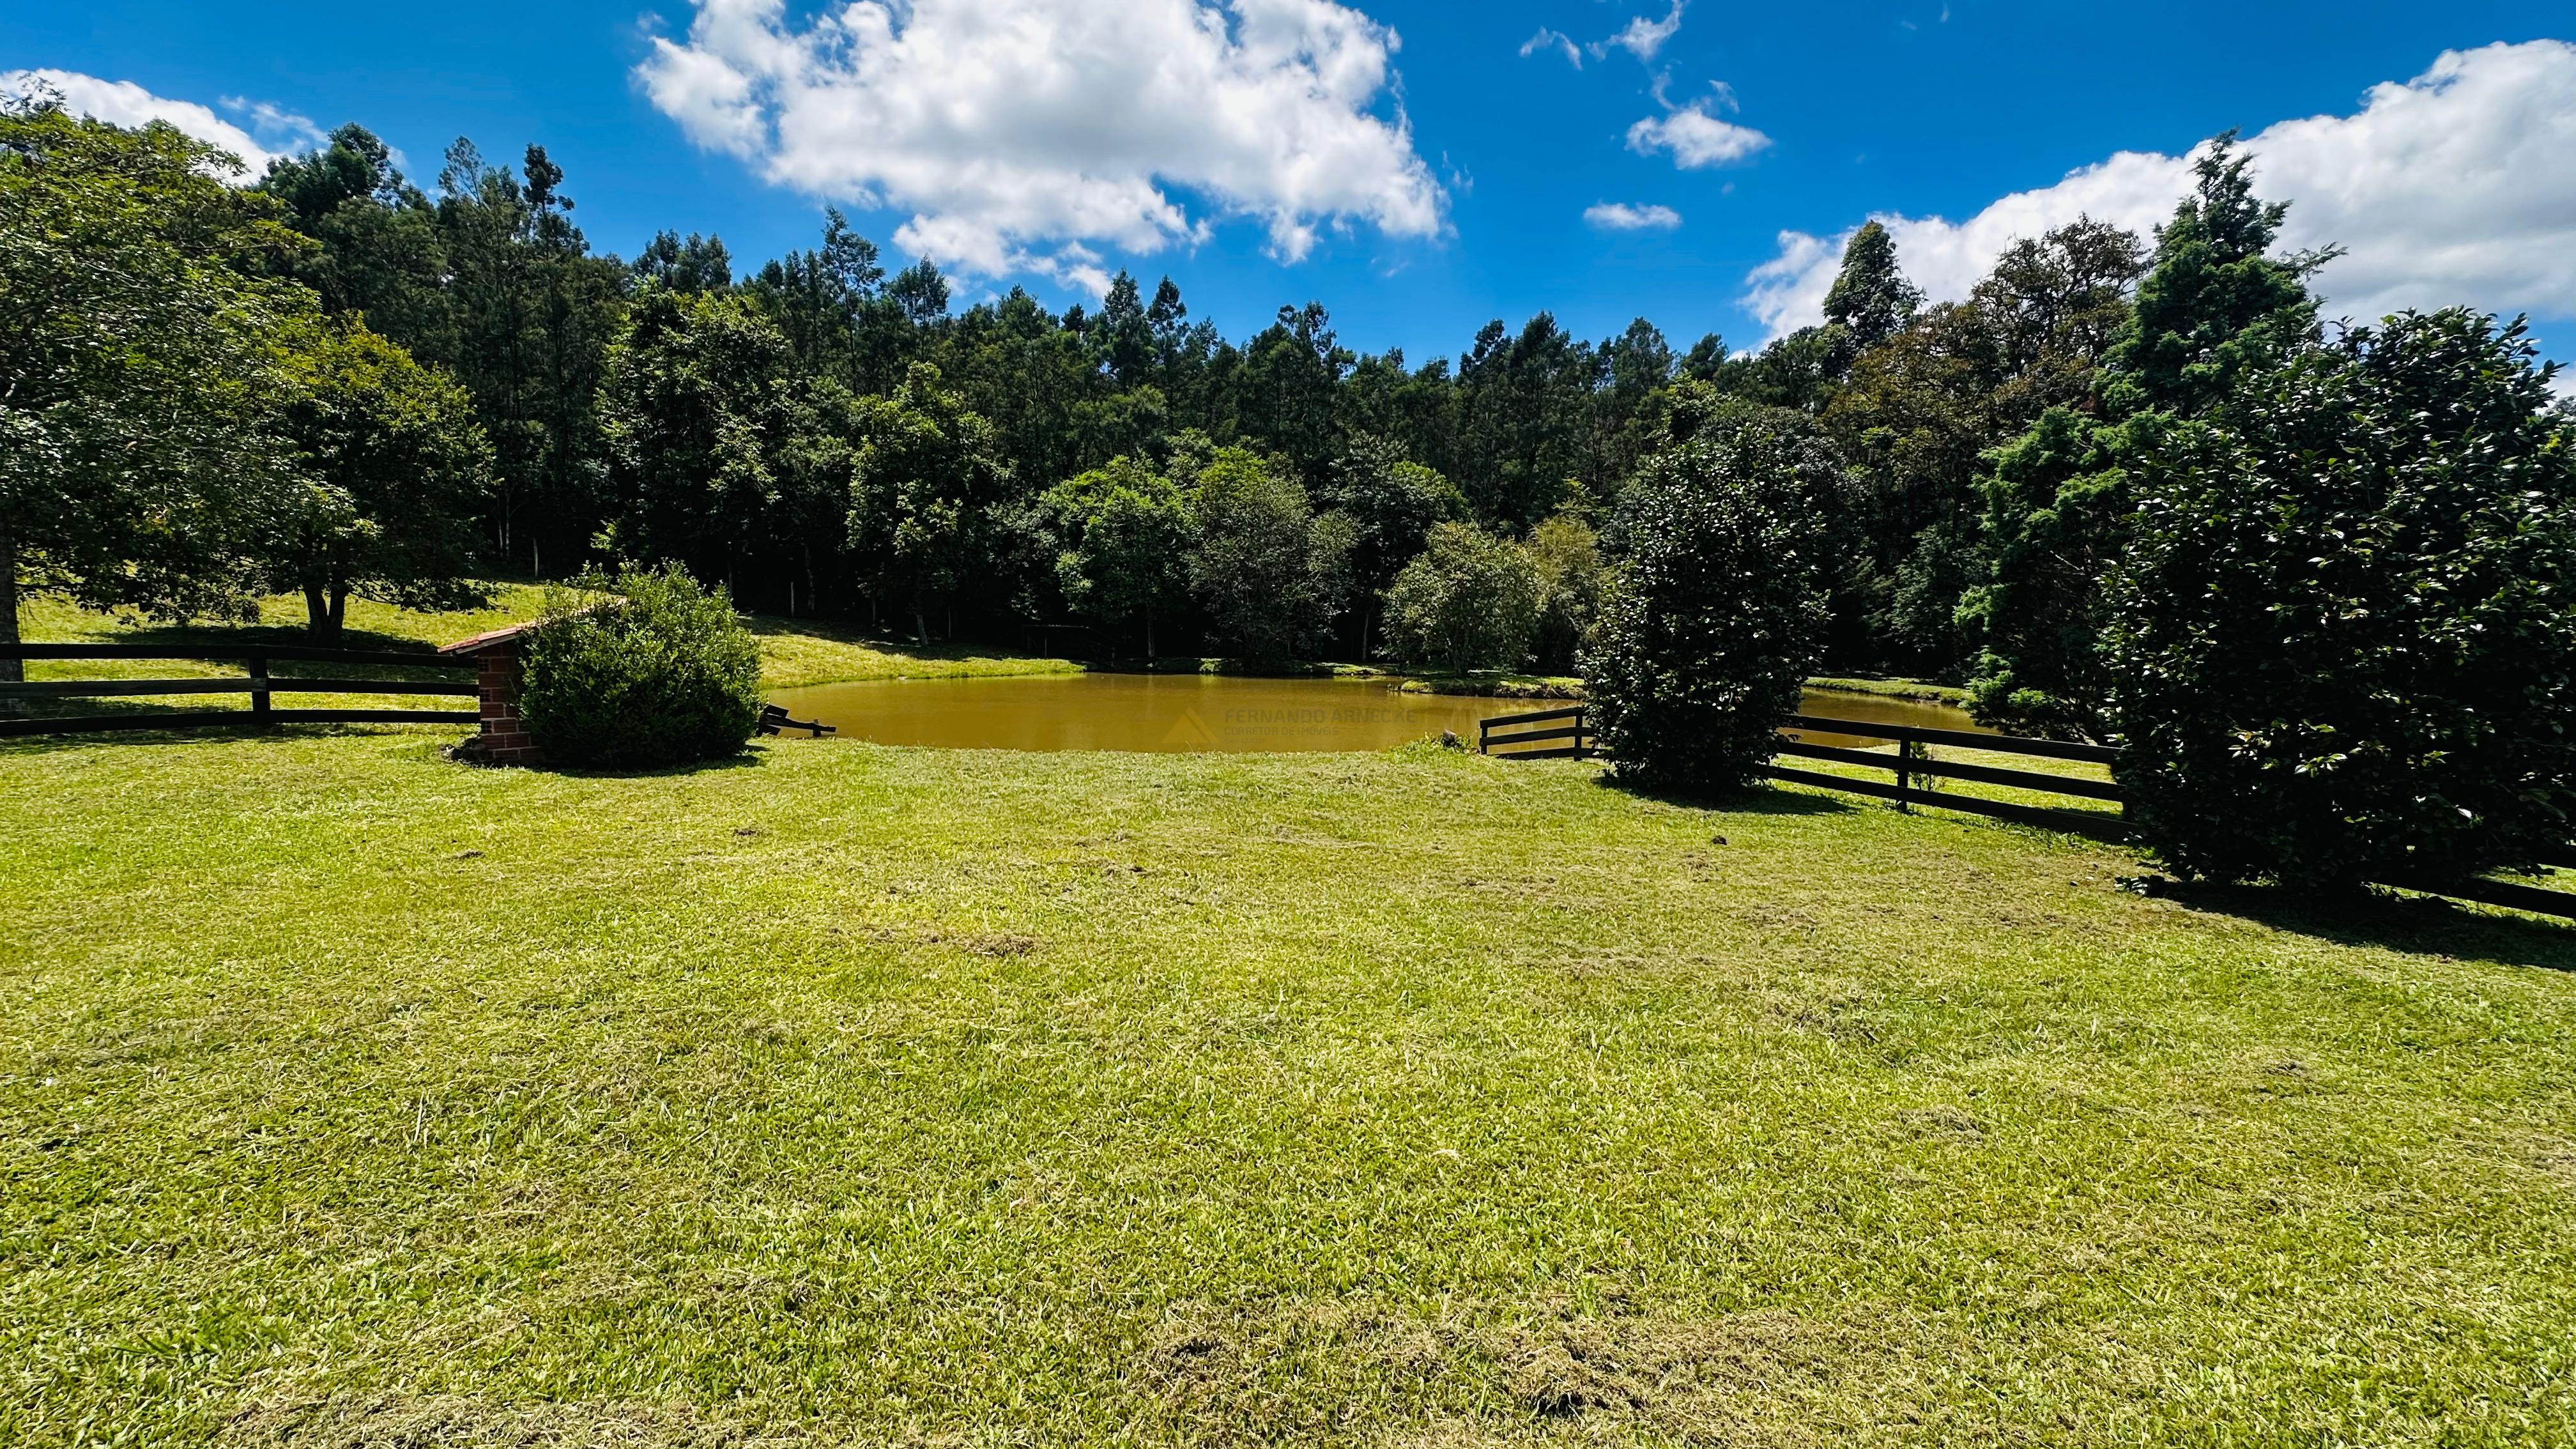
point(1468, 601)
point(1717, 613)
point(2343, 639)
point(662, 673)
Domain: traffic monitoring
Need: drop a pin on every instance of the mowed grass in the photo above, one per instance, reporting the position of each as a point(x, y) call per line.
point(861, 1095)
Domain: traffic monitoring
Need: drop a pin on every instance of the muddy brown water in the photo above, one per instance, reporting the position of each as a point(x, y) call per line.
point(1141, 713)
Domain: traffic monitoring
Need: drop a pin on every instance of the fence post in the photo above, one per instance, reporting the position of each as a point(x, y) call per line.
point(1904, 772)
point(1582, 734)
point(259, 714)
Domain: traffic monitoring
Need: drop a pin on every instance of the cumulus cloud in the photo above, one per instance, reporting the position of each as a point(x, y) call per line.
point(1620, 216)
point(1695, 138)
point(272, 132)
point(2458, 186)
point(1022, 135)
point(1642, 37)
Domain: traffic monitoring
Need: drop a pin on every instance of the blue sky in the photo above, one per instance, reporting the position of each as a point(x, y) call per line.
point(1916, 109)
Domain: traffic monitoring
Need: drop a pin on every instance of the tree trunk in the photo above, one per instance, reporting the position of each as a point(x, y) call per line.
point(920, 622)
point(11, 671)
point(326, 607)
point(1150, 656)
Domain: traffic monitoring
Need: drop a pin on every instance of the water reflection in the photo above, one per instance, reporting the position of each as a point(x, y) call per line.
point(1203, 713)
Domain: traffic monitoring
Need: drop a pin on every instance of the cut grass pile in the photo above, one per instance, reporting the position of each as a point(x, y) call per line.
point(859, 1095)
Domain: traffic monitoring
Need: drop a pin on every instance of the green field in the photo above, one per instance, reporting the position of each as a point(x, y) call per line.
point(793, 652)
point(856, 1095)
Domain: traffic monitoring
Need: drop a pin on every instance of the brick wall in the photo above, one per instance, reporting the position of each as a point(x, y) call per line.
point(504, 740)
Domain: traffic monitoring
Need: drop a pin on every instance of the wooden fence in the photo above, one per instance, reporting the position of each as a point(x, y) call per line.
point(1916, 776)
point(256, 681)
point(1566, 735)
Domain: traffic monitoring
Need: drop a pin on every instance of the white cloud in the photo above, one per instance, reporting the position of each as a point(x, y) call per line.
point(1620, 216)
point(1022, 134)
point(1642, 37)
point(2458, 186)
point(1695, 138)
point(269, 120)
point(273, 132)
point(1556, 41)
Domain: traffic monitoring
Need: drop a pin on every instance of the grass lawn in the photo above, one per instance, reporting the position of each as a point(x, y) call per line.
point(793, 651)
point(1888, 688)
point(860, 1095)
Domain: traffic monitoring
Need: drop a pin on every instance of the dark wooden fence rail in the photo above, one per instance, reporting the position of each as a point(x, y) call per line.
point(256, 681)
point(1567, 735)
point(1913, 769)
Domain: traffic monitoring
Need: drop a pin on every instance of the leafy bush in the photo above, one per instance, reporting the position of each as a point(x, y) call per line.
point(2343, 637)
point(1468, 601)
point(1572, 577)
point(1717, 614)
point(661, 673)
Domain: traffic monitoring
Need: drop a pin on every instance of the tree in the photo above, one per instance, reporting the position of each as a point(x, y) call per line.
point(1920, 411)
point(532, 316)
point(690, 410)
point(138, 295)
point(1253, 568)
point(2214, 307)
point(930, 481)
point(1572, 578)
point(1392, 502)
point(1870, 299)
point(1128, 532)
point(393, 470)
point(2343, 629)
point(697, 264)
point(1468, 601)
point(1717, 613)
point(380, 253)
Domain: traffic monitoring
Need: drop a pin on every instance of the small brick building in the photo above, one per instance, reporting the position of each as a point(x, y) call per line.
point(499, 668)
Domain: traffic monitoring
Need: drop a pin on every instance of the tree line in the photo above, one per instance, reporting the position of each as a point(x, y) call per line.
point(2312, 578)
point(826, 438)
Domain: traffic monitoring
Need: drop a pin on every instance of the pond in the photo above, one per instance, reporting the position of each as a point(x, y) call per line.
point(1200, 713)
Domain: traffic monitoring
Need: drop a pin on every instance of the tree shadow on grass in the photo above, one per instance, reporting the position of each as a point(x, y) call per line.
point(2415, 925)
point(754, 758)
point(255, 636)
point(1752, 800)
point(217, 736)
point(206, 736)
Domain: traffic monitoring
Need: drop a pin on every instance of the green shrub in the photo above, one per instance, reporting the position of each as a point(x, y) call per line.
point(1717, 613)
point(659, 673)
point(2343, 634)
point(1468, 601)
